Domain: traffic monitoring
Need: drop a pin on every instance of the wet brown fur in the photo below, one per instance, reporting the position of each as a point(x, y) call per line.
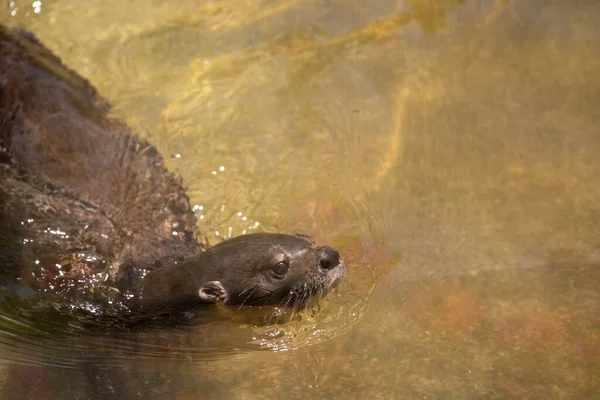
point(89, 211)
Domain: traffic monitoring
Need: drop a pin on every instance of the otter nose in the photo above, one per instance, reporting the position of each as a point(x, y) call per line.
point(330, 258)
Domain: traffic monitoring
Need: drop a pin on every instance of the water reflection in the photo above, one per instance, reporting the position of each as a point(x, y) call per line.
point(459, 135)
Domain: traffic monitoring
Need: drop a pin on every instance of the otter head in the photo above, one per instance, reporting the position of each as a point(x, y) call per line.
point(269, 269)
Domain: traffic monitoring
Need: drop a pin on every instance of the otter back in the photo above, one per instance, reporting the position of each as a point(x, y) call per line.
point(80, 194)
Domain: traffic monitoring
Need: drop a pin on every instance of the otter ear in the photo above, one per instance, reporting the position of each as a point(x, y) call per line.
point(212, 292)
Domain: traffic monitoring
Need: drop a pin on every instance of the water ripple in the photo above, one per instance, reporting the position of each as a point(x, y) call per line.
point(35, 331)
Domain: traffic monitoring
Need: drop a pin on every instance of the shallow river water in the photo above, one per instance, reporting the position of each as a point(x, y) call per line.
point(449, 149)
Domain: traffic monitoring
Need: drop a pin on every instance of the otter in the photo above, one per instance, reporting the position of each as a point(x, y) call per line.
point(254, 269)
point(90, 213)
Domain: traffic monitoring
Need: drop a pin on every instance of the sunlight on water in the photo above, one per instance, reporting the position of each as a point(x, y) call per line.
point(448, 149)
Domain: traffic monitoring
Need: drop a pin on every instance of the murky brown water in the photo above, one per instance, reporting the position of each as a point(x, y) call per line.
point(449, 149)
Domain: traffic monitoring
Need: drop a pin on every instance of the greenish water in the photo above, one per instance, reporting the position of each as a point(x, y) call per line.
point(449, 149)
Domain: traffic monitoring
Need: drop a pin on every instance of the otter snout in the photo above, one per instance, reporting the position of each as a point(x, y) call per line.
point(330, 258)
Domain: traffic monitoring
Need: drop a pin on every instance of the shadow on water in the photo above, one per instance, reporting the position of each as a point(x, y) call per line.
point(448, 149)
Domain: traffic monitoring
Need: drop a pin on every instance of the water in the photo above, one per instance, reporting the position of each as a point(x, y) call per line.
point(448, 149)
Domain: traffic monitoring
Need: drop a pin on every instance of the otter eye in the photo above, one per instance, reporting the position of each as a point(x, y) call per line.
point(281, 268)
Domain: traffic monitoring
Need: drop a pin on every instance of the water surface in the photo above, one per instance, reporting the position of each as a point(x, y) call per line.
point(449, 149)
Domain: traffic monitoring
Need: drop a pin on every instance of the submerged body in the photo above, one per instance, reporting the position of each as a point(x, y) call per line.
point(89, 212)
